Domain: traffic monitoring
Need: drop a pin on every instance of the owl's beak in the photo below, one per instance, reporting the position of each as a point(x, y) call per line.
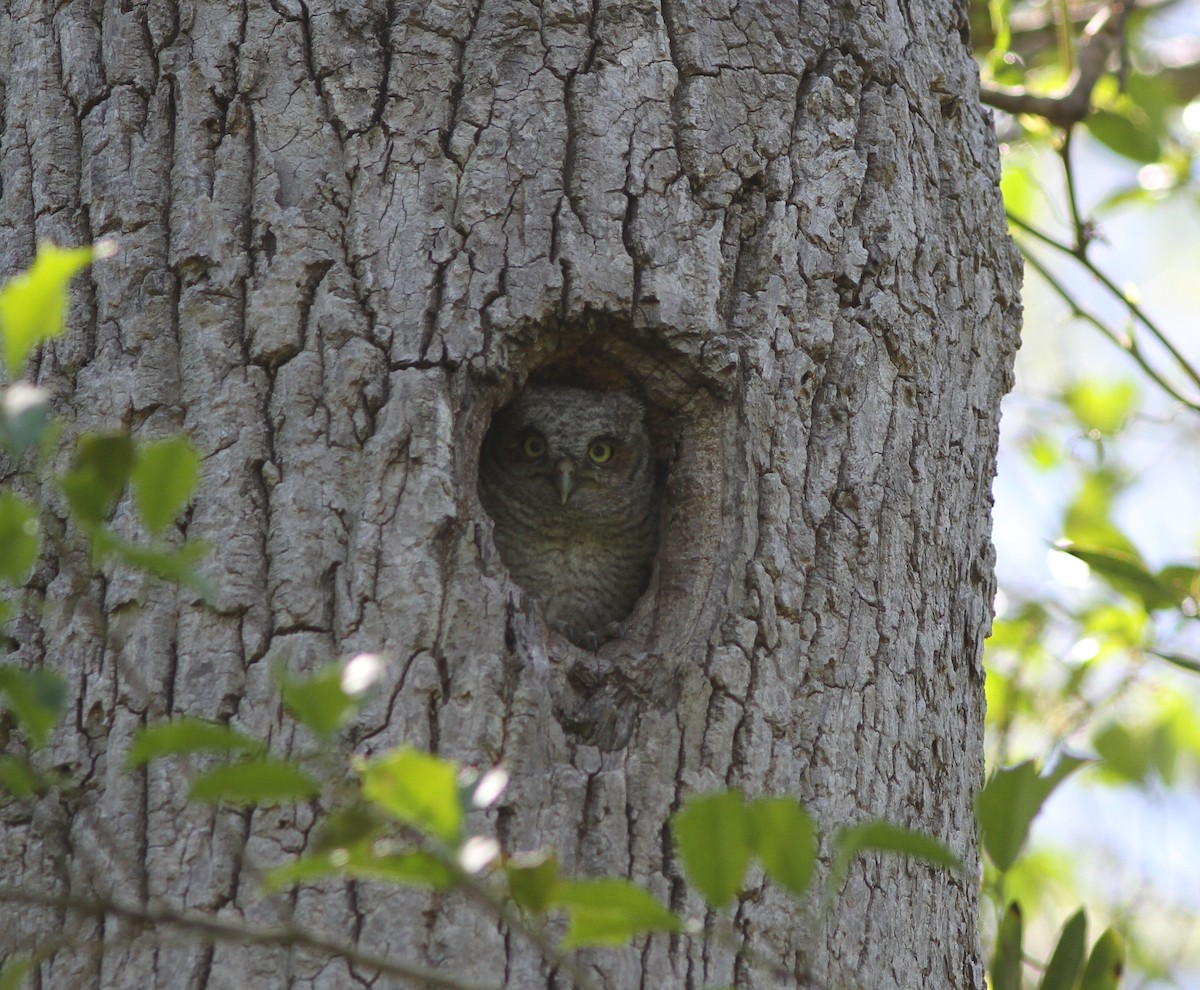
point(564, 480)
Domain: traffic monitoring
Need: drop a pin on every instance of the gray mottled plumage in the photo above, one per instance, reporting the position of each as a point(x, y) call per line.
point(567, 474)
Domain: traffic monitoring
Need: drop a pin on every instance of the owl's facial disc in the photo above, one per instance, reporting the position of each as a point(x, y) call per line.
point(564, 478)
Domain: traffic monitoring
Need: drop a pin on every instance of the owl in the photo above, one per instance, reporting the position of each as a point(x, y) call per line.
point(568, 477)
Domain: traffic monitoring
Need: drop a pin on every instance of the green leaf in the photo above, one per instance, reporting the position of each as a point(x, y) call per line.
point(407, 869)
point(1006, 959)
point(882, 836)
point(188, 735)
point(164, 477)
point(1010, 801)
point(1106, 963)
point(347, 826)
point(33, 305)
point(17, 777)
point(712, 833)
point(417, 788)
point(1123, 752)
point(13, 973)
point(1128, 135)
point(176, 565)
point(36, 699)
point(609, 912)
point(317, 701)
point(1126, 574)
point(532, 879)
point(18, 538)
point(24, 416)
point(785, 839)
point(1101, 405)
point(1063, 967)
point(101, 470)
point(255, 782)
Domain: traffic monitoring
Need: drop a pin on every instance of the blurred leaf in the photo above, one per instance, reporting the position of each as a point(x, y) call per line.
point(18, 538)
point(347, 825)
point(1123, 752)
point(1101, 405)
point(14, 971)
point(785, 839)
point(255, 782)
point(101, 469)
point(175, 565)
point(35, 698)
point(532, 879)
point(1006, 959)
point(609, 912)
point(187, 734)
point(24, 416)
point(416, 788)
point(1011, 800)
point(881, 836)
point(1126, 574)
point(1106, 963)
point(33, 305)
point(1132, 136)
point(164, 476)
point(1063, 968)
point(1088, 522)
point(712, 833)
point(406, 869)
point(17, 777)
point(317, 701)
point(1177, 659)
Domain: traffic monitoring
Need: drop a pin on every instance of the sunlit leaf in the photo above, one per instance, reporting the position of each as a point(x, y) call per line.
point(609, 912)
point(187, 734)
point(255, 782)
point(1101, 405)
point(1011, 800)
point(411, 868)
point(164, 477)
point(33, 305)
point(416, 788)
point(712, 833)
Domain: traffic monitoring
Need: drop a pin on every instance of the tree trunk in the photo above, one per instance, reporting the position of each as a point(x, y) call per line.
point(350, 230)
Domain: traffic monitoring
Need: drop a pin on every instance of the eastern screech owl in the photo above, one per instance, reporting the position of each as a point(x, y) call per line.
point(568, 476)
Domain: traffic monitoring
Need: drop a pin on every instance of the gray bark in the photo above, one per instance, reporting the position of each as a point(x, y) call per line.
point(351, 229)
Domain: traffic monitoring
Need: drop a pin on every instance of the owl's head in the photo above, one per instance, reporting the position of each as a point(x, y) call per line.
point(571, 450)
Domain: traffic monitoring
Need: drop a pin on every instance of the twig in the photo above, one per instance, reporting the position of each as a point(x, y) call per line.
point(1126, 343)
point(214, 928)
point(1101, 39)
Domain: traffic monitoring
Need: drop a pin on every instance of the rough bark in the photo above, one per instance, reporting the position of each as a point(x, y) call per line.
point(351, 229)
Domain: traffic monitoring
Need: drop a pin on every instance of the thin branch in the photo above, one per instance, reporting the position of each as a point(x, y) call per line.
point(1136, 311)
point(284, 936)
point(1127, 344)
point(1101, 39)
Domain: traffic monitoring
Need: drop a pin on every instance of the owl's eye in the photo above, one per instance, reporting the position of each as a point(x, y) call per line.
point(600, 451)
point(534, 446)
